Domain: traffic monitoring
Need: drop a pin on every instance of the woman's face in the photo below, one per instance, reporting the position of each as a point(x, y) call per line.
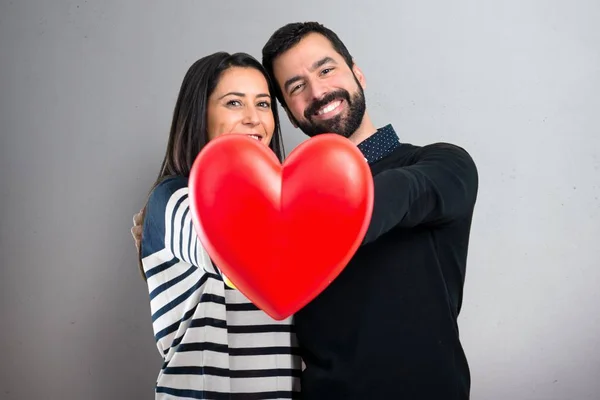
point(241, 103)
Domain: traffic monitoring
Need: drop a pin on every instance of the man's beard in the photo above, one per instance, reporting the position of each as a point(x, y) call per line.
point(340, 124)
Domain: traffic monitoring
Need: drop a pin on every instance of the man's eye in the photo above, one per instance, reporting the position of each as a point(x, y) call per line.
point(297, 87)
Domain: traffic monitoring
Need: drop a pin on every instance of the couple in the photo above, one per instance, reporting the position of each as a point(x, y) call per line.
point(386, 328)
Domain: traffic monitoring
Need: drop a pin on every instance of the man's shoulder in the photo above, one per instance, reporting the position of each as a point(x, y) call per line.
point(410, 151)
point(410, 147)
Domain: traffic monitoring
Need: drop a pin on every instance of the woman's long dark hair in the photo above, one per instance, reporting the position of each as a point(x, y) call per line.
point(189, 133)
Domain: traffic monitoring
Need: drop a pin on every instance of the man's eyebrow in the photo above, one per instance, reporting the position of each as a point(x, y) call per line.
point(322, 62)
point(317, 64)
point(291, 81)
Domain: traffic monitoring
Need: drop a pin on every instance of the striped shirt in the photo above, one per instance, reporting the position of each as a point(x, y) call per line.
point(215, 343)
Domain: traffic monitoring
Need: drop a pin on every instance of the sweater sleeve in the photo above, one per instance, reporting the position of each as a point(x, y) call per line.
point(439, 186)
point(175, 264)
point(168, 224)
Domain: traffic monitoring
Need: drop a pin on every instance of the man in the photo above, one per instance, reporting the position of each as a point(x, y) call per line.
point(386, 328)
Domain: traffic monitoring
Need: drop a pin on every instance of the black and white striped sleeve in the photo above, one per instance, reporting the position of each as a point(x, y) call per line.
point(175, 263)
point(168, 225)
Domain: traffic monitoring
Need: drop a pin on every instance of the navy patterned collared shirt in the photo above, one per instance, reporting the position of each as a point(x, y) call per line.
point(380, 144)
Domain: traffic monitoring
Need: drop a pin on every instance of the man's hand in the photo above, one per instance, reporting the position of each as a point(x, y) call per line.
point(136, 230)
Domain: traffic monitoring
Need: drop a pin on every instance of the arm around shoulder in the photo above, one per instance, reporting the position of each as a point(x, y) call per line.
point(439, 185)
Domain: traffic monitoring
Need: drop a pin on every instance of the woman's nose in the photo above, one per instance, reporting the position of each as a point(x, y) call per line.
point(251, 117)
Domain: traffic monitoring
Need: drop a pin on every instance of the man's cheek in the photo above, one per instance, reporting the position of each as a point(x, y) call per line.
point(299, 114)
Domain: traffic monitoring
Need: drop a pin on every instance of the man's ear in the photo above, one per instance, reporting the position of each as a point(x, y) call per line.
point(359, 75)
point(290, 117)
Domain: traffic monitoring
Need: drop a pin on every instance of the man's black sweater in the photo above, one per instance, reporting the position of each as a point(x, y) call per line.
point(386, 328)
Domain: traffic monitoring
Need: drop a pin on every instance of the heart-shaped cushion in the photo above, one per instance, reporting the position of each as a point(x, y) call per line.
point(281, 233)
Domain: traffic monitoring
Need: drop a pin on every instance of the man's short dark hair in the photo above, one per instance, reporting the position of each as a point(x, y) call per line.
point(288, 36)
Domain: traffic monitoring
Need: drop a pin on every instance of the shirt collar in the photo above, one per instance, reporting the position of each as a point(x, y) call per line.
point(380, 144)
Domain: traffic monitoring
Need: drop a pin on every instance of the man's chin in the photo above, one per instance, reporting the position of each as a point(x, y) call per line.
point(314, 130)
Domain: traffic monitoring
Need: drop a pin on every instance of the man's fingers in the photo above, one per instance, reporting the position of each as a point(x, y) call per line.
point(136, 232)
point(137, 219)
point(136, 229)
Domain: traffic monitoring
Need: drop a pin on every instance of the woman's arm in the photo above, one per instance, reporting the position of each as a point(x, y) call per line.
point(174, 262)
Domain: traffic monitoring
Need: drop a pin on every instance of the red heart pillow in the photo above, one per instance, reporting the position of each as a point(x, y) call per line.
point(281, 233)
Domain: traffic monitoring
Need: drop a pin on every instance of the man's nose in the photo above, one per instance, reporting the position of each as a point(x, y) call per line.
point(318, 90)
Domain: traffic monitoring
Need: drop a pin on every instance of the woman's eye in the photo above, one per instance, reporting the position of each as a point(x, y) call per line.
point(234, 103)
point(264, 104)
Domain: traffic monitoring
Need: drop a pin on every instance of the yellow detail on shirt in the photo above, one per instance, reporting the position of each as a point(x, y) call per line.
point(228, 282)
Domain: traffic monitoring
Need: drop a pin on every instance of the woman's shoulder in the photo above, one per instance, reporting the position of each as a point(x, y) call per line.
point(168, 186)
point(168, 191)
point(164, 201)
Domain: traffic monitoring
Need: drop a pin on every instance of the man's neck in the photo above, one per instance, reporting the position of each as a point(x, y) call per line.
point(364, 131)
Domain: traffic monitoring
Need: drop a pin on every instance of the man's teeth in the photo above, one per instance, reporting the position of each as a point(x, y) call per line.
point(329, 108)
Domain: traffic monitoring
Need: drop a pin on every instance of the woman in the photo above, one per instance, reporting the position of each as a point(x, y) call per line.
point(214, 341)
